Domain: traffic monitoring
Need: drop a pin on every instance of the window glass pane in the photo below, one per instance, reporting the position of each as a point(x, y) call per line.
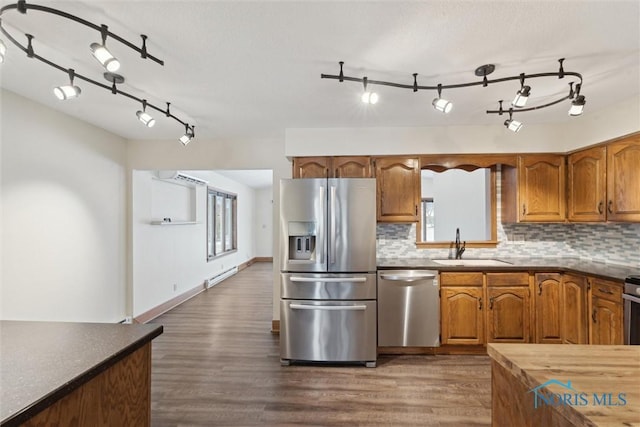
point(219, 224)
point(210, 223)
point(228, 224)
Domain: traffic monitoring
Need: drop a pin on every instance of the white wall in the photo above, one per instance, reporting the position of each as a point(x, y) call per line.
point(263, 227)
point(63, 217)
point(169, 260)
point(590, 128)
point(216, 154)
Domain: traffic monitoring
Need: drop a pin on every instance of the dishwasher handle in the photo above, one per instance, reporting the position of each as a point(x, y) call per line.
point(328, 307)
point(406, 278)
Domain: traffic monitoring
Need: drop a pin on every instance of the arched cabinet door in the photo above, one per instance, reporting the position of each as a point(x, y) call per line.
point(462, 321)
point(623, 180)
point(398, 182)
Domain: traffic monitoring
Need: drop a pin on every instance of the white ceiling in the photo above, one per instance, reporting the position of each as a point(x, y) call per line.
point(243, 70)
point(254, 178)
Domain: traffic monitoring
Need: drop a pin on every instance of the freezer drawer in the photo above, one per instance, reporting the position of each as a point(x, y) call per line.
point(328, 286)
point(408, 308)
point(328, 331)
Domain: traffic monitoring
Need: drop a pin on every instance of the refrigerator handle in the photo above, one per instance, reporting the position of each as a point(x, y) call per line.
point(321, 252)
point(332, 232)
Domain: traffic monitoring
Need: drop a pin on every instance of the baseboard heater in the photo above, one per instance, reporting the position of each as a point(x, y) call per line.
point(212, 281)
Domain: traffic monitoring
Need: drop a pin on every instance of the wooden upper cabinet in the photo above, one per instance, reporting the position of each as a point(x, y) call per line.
point(548, 301)
point(575, 329)
point(535, 190)
point(398, 184)
point(351, 167)
point(332, 167)
point(586, 186)
point(311, 167)
point(623, 180)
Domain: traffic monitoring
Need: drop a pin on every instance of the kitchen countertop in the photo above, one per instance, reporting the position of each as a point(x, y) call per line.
point(41, 362)
point(593, 268)
point(591, 369)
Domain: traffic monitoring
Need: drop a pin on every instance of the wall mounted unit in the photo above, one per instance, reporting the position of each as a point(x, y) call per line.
point(181, 178)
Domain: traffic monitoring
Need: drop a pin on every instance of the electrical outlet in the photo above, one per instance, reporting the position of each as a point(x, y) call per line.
point(175, 286)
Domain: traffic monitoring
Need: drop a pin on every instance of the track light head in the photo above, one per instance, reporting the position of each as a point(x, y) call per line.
point(512, 125)
point(67, 91)
point(104, 57)
point(144, 117)
point(188, 135)
point(3, 51)
point(577, 106)
point(521, 97)
point(441, 104)
point(367, 96)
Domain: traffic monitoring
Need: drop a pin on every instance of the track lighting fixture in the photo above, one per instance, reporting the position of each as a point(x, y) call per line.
point(577, 105)
point(189, 133)
point(368, 97)
point(519, 102)
point(441, 104)
point(522, 95)
point(145, 117)
point(3, 51)
point(513, 125)
point(102, 55)
point(68, 91)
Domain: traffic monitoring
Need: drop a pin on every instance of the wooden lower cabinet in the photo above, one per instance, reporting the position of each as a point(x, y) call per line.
point(549, 307)
point(508, 314)
point(575, 329)
point(606, 325)
point(461, 310)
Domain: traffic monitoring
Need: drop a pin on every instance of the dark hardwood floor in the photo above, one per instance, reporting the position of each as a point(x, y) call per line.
point(218, 364)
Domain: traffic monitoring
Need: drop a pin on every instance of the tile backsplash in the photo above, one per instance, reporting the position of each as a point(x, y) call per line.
point(615, 243)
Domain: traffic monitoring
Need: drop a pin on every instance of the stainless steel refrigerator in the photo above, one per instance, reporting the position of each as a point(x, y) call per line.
point(328, 270)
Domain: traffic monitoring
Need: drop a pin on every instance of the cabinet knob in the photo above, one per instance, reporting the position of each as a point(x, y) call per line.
point(491, 303)
point(540, 288)
point(610, 206)
point(524, 209)
point(480, 303)
point(600, 207)
point(593, 315)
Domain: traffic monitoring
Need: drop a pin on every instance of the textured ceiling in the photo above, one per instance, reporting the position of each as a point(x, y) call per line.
point(242, 69)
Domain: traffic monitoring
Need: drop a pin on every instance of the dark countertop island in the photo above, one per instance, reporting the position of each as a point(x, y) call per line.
point(600, 269)
point(42, 362)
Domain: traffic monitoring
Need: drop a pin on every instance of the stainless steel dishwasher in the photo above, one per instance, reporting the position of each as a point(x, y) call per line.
point(408, 308)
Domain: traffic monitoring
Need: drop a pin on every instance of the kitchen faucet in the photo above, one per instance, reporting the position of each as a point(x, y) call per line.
point(459, 249)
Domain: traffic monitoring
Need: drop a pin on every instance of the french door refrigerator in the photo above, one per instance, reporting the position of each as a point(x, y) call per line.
point(328, 270)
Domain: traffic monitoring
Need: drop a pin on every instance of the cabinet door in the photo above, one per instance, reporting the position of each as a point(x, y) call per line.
point(311, 167)
point(587, 185)
point(351, 167)
point(398, 181)
point(574, 312)
point(606, 322)
point(623, 180)
point(541, 188)
point(461, 311)
point(548, 308)
point(508, 314)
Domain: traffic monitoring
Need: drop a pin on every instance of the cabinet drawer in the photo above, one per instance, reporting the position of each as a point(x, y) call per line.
point(605, 289)
point(508, 279)
point(461, 279)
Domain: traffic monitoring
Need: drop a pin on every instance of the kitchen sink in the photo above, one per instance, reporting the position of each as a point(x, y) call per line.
point(472, 262)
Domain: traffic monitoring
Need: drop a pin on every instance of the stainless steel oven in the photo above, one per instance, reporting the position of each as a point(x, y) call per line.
point(631, 299)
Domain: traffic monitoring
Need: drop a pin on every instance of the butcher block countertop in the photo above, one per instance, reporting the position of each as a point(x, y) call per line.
point(578, 372)
point(41, 362)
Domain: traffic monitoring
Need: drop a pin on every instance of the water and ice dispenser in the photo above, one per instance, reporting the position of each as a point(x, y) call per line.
point(302, 240)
